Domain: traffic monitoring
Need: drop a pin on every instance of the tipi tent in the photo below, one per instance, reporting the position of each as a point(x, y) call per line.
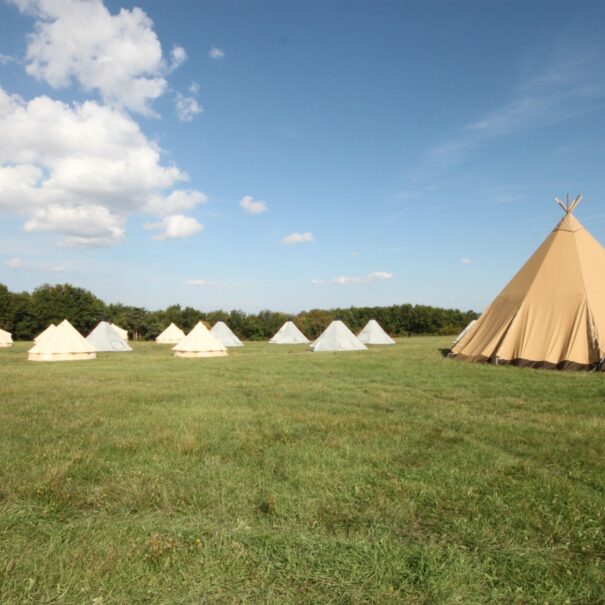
point(464, 332)
point(104, 338)
point(337, 337)
point(121, 331)
point(552, 313)
point(200, 342)
point(64, 343)
point(171, 335)
point(223, 332)
point(6, 338)
point(289, 334)
point(373, 334)
point(45, 333)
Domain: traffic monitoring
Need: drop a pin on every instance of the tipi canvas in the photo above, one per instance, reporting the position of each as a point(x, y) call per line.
point(171, 335)
point(200, 342)
point(223, 332)
point(373, 334)
point(104, 338)
point(6, 339)
point(45, 333)
point(289, 334)
point(121, 331)
point(65, 343)
point(337, 337)
point(465, 331)
point(552, 313)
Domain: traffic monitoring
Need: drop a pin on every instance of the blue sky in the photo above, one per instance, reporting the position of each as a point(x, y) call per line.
point(290, 155)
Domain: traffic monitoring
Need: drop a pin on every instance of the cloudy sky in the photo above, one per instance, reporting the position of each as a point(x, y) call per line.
point(288, 155)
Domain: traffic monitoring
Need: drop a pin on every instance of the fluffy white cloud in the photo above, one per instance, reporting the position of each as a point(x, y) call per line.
point(82, 169)
point(201, 282)
point(176, 226)
point(466, 261)
point(298, 238)
point(186, 107)
point(178, 55)
point(216, 53)
point(347, 281)
point(117, 55)
point(176, 202)
point(14, 263)
point(249, 206)
point(83, 225)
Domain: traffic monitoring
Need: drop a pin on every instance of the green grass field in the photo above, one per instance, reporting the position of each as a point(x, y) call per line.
point(281, 476)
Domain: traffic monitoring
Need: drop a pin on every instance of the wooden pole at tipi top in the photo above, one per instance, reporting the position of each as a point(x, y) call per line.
point(567, 207)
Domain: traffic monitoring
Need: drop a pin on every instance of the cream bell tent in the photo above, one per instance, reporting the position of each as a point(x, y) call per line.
point(223, 332)
point(64, 343)
point(373, 334)
point(45, 333)
point(337, 337)
point(121, 331)
point(552, 313)
point(289, 334)
point(468, 328)
point(200, 342)
point(104, 338)
point(6, 338)
point(171, 335)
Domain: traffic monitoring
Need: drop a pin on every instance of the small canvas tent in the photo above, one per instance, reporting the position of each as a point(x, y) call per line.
point(337, 337)
point(373, 334)
point(200, 342)
point(289, 334)
point(171, 335)
point(468, 328)
point(223, 332)
point(121, 331)
point(552, 313)
point(6, 338)
point(45, 333)
point(104, 338)
point(65, 343)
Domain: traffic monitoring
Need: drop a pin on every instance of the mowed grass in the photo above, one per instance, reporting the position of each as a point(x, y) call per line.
point(280, 476)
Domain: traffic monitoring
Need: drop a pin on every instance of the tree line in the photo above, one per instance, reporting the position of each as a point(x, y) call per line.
point(26, 314)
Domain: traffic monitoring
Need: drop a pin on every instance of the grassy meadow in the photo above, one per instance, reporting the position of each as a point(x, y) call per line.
point(280, 476)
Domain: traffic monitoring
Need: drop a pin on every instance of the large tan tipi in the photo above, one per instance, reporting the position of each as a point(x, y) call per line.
point(200, 342)
point(552, 313)
point(64, 343)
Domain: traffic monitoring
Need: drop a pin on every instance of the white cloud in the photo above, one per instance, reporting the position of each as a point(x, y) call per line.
point(187, 107)
point(216, 53)
point(347, 281)
point(176, 226)
point(82, 170)
point(5, 59)
point(177, 201)
point(201, 282)
point(249, 206)
point(118, 55)
point(466, 261)
point(178, 56)
point(14, 263)
point(298, 238)
point(83, 225)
